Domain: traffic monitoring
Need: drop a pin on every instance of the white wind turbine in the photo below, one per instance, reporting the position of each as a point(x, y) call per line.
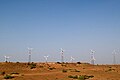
point(114, 57)
point(92, 57)
point(6, 58)
point(29, 52)
point(46, 58)
point(62, 55)
point(72, 59)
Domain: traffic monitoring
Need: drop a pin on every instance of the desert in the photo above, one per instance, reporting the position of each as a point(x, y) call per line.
point(58, 71)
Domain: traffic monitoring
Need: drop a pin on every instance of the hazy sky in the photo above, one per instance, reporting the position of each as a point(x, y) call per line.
point(48, 25)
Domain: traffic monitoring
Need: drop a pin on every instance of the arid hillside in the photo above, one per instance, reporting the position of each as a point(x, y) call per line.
point(57, 71)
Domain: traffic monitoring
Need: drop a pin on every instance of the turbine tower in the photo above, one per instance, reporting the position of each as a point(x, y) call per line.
point(72, 59)
point(29, 52)
point(114, 57)
point(62, 56)
point(46, 58)
point(92, 57)
point(6, 58)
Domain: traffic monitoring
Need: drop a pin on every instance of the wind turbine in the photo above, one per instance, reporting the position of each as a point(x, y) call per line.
point(114, 57)
point(6, 58)
point(62, 56)
point(92, 57)
point(29, 52)
point(118, 51)
point(46, 58)
point(72, 59)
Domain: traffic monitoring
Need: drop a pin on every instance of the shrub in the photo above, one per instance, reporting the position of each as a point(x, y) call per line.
point(77, 70)
point(14, 73)
point(17, 62)
point(74, 70)
point(111, 69)
point(74, 77)
point(51, 68)
point(32, 65)
point(81, 77)
point(70, 76)
point(83, 68)
point(91, 76)
point(41, 66)
point(78, 62)
point(64, 70)
point(8, 77)
point(63, 65)
point(2, 73)
point(58, 63)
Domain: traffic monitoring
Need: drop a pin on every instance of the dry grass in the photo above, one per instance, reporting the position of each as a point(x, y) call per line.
point(42, 71)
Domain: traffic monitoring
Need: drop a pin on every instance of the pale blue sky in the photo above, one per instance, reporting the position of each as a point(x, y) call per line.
point(48, 25)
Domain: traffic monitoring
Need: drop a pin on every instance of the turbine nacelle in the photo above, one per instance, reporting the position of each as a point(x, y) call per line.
point(46, 57)
point(92, 51)
point(7, 57)
point(114, 52)
point(72, 59)
point(62, 50)
point(30, 49)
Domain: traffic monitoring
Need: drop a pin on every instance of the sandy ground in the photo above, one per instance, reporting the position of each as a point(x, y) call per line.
point(43, 71)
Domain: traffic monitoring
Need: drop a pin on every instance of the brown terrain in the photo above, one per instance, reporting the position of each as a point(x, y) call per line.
point(57, 71)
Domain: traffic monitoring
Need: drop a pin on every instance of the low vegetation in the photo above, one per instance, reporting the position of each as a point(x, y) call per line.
point(14, 73)
point(74, 77)
point(75, 70)
point(54, 71)
point(78, 62)
point(64, 70)
point(63, 64)
point(80, 77)
point(2, 73)
point(51, 68)
point(58, 62)
point(41, 66)
point(32, 65)
point(8, 77)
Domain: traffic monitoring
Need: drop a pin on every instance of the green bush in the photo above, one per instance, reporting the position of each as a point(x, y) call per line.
point(81, 78)
point(8, 77)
